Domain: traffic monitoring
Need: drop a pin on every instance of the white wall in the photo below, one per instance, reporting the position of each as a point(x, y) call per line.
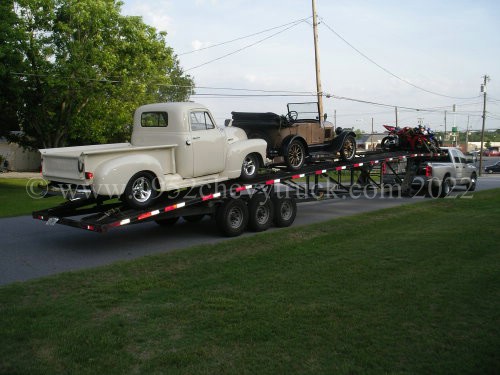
point(19, 160)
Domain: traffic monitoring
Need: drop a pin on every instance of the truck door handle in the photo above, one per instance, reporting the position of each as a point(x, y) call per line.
point(188, 142)
point(196, 137)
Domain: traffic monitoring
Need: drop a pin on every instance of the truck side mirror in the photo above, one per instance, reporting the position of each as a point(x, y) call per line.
point(325, 116)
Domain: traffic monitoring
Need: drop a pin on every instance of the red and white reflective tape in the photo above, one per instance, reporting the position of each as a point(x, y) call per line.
point(358, 165)
point(294, 177)
point(148, 214)
point(272, 182)
point(174, 206)
point(211, 196)
point(389, 159)
point(374, 162)
point(340, 168)
point(321, 171)
point(125, 222)
point(243, 188)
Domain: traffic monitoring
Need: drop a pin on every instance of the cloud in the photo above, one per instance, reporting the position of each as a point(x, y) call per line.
point(197, 44)
point(204, 2)
point(251, 78)
point(150, 14)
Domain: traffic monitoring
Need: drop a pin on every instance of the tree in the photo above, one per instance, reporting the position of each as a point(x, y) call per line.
point(87, 67)
point(11, 61)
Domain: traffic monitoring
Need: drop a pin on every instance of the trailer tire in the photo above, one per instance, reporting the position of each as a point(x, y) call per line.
point(261, 213)
point(285, 210)
point(167, 222)
point(140, 191)
point(232, 217)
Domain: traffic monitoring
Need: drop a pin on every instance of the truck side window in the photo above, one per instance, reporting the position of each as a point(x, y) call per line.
point(154, 119)
point(201, 121)
point(208, 121)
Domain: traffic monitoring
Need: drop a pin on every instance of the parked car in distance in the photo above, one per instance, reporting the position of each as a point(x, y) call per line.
point(491, 151)
point(495, 168)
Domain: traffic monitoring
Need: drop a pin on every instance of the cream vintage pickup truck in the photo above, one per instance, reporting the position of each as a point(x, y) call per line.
point(173, 146)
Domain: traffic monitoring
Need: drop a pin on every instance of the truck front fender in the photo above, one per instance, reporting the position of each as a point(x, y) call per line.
point(112, 176)
point(237, 152)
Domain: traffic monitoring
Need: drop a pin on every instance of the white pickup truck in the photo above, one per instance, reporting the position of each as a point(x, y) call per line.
point(441, 176)
point(173, 146)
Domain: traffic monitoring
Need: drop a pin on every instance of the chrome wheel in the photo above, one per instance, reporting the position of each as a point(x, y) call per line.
point(249, 166)
point(142, 189)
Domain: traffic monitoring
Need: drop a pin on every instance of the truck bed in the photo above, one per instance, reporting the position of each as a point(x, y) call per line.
point(68, 164)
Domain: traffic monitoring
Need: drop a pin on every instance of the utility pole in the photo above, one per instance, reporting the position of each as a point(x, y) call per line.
point(319, 90)
point(483, 90)
point(396, 109)
point(445, 126)
point(371, 138)
point(467, 135)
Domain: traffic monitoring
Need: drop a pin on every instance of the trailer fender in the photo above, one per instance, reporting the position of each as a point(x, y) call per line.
point(111, 177)
point(338, 141)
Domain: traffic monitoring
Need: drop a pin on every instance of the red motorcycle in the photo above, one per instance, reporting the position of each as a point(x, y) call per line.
point(412, 139)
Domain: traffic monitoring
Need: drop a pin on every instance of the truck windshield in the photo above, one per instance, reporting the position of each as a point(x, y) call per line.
point(305, 111)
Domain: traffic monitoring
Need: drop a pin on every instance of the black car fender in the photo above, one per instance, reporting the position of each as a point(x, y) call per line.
point(338, 141)
point(288, 140)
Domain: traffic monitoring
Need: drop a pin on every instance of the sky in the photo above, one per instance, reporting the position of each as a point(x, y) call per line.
point(441, 46)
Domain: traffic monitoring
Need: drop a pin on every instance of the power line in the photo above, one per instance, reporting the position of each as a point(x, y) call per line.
point(244, 37)
point(243, 48)
point(388, 71)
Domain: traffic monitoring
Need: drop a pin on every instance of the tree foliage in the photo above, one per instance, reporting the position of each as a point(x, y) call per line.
point(85, 68)
point(10, 58)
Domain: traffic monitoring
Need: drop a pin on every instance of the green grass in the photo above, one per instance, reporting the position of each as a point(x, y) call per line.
point(412, 290)
point(15, 201)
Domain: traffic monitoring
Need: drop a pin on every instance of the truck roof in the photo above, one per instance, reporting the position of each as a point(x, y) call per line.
point(168, 106)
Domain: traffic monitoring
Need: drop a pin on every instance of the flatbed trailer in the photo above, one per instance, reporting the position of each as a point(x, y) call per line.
point(271, 198)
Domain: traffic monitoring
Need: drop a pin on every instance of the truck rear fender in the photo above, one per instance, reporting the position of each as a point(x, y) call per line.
point(338, 141)
point(112, 176)
point(237, 152)
point(289, 139)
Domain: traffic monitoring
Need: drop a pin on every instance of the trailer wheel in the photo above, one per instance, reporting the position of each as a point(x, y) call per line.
point(250, 167)
point(140, 191)
point(167, 222)
point(285, 210)
point(232, 217)
point(348, 150)
point(261, 213)
point(295, 155)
